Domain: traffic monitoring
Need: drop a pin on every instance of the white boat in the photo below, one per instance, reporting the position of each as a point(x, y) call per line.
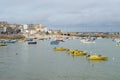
point(117, 40)
point(88, 40)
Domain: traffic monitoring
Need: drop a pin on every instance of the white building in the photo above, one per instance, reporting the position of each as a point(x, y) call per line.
point(3, 29)
point(25, 26)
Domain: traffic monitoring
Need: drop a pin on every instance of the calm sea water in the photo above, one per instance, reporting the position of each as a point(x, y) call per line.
point(21, 61)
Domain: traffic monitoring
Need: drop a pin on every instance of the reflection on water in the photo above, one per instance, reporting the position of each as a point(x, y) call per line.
point(21, 61)
point(97, 61)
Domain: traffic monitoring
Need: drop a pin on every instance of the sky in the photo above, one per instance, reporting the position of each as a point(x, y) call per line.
point(67, 15)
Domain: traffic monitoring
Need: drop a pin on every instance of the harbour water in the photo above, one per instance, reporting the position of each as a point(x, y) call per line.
point(21, 61)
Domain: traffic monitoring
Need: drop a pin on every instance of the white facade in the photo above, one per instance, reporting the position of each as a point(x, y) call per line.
point(45, 29)
point(32, 31)
point(25, 26)
point(3, 29)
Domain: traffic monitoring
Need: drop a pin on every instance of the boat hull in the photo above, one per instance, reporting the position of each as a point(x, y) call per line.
point(97, 57)
point(32, 42)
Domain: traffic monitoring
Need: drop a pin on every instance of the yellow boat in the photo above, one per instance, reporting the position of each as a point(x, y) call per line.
point(74, 51)
point(79, 53)
point(117, 44)
point(3, 44)
point(60, 49)
point(70, 51)
point(97, 57)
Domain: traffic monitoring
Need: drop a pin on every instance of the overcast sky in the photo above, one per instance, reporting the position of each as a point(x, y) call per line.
point(69, 15)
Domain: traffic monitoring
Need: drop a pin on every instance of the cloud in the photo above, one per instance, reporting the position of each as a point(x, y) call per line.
point(61, 12)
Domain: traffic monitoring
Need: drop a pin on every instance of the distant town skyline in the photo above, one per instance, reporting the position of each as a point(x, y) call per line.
point(67, 15)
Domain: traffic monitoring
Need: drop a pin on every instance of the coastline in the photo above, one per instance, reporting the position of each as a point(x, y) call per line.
point(21, 37)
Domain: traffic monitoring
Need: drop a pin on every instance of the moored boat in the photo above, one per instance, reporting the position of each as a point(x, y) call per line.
point(76, 52)
point(118, 44)
point(79, 54)
point(88, 40)
point(3, 44)
point(60, 40)
point(32, 42)
point(117, 40)
point(8, 41)
point(60, 49)
point(54, 43)
point(97, 57)
point(29, 39)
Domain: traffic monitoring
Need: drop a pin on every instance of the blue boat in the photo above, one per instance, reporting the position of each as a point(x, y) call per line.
point(29, 39)
point(8, 41)
point(54, 43)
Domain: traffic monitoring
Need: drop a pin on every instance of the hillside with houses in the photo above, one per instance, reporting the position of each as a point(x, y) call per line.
point(8, 30)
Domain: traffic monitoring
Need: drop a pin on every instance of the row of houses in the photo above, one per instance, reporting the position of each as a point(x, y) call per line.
point(26, 29)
